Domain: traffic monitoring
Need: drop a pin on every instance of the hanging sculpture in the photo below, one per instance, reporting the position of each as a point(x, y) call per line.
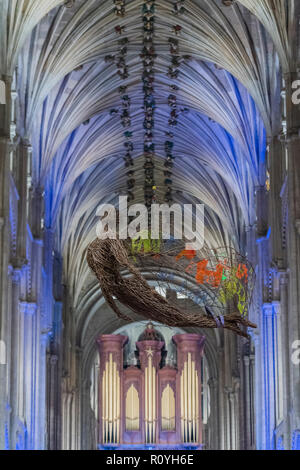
point(109, 257)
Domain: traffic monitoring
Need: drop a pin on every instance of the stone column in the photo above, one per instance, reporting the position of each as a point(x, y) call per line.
point(279, 362)
point(5, 347)
point(214, 414)
point(252, 408)
point(222, 400)
point(37, 211)
point(270, 370)
point(233, 419)
point(227, 419)
point(52, 385)
point(24, 157)
point(14, 357)
point(89, 425)
point(41, 415)
point(247, 404)
point(29, 370)
point(5, 120)
point(237, 414)
point(286, 362)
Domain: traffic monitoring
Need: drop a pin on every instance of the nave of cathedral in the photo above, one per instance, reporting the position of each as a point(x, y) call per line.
point(186, 102)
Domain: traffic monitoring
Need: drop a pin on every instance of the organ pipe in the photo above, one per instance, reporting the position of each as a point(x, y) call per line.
point(150, 401)
point(111, 403)
point(189, 401)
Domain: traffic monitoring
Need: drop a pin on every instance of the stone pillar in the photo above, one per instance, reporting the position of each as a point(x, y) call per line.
point(227, 419)
point(89, 424)
point(247, 402)
point(232, 411)
point(24, 157)
point(286, 361)
point(5, 119)
point(252, 403)
point(214, 415)
point(221, 400)
point(271, 374)
point(37, 211)
point(48, 288)
point(52, 385)
point(277, 174)
point(67, 419)
point(292, 141)
point(41, 416)
point(236, 413)
point(54, 371)
point(29, 369)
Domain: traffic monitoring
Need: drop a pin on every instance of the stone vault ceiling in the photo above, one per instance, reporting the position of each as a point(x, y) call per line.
point(230, 86)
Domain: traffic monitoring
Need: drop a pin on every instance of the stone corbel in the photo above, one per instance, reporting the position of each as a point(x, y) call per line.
point(20, 263)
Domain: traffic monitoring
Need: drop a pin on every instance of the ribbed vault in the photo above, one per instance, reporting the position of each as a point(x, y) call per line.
point(230, 87)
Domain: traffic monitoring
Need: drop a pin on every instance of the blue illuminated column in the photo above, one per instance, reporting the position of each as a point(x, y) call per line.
point(272, 372)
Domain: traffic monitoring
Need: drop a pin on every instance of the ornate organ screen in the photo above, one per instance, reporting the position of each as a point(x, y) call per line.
point(150, 403)
point(168, 409)
point(132, 409)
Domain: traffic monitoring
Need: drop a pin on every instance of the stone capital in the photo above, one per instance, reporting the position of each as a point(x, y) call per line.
point(268, 309)
point(16, 275)
point(28, 308)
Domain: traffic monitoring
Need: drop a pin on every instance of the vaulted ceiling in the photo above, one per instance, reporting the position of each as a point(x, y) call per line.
point(229, 88)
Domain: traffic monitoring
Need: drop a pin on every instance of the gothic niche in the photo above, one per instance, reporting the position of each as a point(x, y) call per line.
point(152, 404)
